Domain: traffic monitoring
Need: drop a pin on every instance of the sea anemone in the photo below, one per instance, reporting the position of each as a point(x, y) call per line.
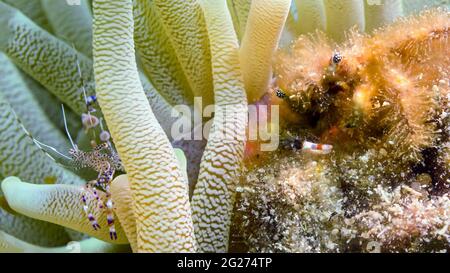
point(126, 70)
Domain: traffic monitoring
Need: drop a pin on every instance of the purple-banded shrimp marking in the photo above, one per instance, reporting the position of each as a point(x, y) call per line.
point(104, 160)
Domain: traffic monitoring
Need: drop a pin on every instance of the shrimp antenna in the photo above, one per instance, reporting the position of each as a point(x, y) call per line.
point(77, 61)
point(40, 144)
point(67, 129)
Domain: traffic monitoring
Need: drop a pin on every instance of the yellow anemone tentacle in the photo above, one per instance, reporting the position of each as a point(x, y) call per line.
point(184, 24)
point(11, 244)
point(158, 56)
point(160, 193)
point(342, 15)
point(311, 16)
point(264, 25)
point(214, 195)
point(123, 207)
point(59, 204)
point(239, 10)
point(378, 15)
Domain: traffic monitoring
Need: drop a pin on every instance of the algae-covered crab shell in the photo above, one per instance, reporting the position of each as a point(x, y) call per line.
point(142, 59)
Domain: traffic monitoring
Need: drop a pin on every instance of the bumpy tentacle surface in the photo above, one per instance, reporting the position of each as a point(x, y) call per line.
point(123, 207)
point(71, 23)
point(311, 16)
point(342, 15)
point(185, 26)
point(47, 59)
point(57, 69)
point(193, 150)
point(30, 230)
point(159, 191)
point(33, 10)
point(52, 106)
point(214, 195)
point(20, 156)
point(16, 92)
point(158, 56)
point(11, 244)
point(379, 15)
point(239, 10)
point(164, 112)
point(265, 23)
point(59, 204)
point(290, 30)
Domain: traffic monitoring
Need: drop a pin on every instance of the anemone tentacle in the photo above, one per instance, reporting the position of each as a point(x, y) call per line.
point(159, 191)
point(185, 26)
point(158, 56)
point(123, 200)
point(71, 23)
point(239, 10)
point(264, 25)
point(47, 59)
point(380, 15)
point(311, 16)
point(16, 92)
point(342, 15)
point(59, 204)
point(214, 194)
point(11, 244)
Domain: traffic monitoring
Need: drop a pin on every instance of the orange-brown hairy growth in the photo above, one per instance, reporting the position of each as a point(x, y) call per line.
point(419, 43)
point(305, 62)
point(379, 91)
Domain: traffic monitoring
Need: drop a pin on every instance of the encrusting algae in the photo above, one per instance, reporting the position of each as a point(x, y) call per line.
point(381, 102)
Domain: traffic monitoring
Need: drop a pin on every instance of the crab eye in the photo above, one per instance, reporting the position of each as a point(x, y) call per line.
point(280, 94)
point(337, 58)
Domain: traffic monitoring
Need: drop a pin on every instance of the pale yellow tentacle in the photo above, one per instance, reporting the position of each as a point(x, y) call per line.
point(239, 10)
point(311, 16)
point(214, 195)
point(11, 244)
point(123, 207)
point(158, 56)
point(160, 193)
point(342, 15)
point(185, 27)
point(59, 204)
point(378, 15)
point(264, 25)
